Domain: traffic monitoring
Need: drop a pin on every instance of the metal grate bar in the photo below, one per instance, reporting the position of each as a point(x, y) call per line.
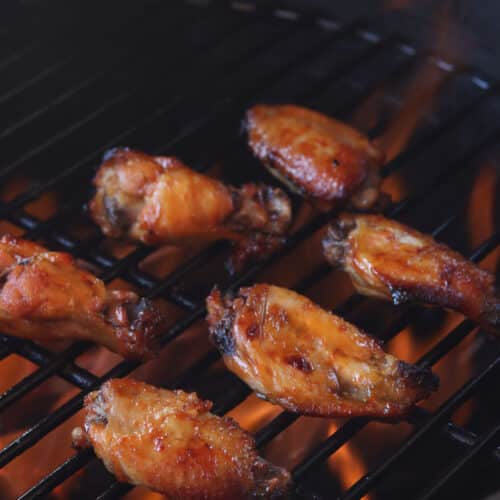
point(40, 356)
point(284, 419)
point(30, 382)
point(458, 398)
point(188, 61)
point(126, 96)
point(32, 224)
point(119, 61)
point(439, 350)
point(68, 55)
point(447, 125)
point(45, 425)
point(455, 432)
point(33, 24)
point(52, 364)
point(28, 222)
point(353, 426)
point(142, 283)
point(481, 444)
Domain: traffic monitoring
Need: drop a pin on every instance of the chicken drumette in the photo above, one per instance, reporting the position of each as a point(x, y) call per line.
point(170, 442)
point(308, 360)
point(392, 261)
point(159, 201)
point(321, 158)
point(46, 296)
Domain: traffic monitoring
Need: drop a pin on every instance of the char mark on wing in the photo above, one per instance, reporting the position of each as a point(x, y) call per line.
point(221, 334)
point(117, 216)
point(418, 377)
point(220, 320)
point(335, 240)
point(300, 363)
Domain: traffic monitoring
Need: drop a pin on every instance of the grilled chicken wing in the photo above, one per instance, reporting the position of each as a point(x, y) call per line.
point(45, 296)
point(309, 361)
point(389, 260)
point(170, 442)
point(160, 201)
point(317, 156)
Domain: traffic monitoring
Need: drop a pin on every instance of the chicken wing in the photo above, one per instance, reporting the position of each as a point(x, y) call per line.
point(389, 260)
point(170, 442)
point(319, 157)
point(45, 296)
point(295, 354)
point(160, 201)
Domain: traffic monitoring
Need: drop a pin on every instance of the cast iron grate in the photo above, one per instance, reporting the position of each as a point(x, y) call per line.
point(179, 83)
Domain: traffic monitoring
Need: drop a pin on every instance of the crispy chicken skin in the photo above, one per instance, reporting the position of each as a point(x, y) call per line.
point(170, 442)
point(321, 158)
point(45, 296)
point(309, 361)
point(389, 260)
point(160, 201)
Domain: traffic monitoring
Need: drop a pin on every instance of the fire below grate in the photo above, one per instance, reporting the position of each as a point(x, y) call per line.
point(177, 79)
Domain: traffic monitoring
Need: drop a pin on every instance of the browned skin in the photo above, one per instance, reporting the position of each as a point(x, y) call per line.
point(170, 442)
point(323, 159)
point(160, 201)
point(309, 361)
point(45, 296)
point(392, 261)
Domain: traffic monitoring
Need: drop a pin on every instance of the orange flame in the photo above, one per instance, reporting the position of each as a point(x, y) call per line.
point(481, 205)
point(346, 465)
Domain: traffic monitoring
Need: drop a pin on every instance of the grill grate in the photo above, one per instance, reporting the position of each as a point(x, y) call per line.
point(57, 116)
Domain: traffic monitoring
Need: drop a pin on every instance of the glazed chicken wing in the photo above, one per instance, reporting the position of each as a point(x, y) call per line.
point(45, 296)
point(170, 442)
point(309, 361)
point(160, 201)
point(321, 158)
point(389, 260)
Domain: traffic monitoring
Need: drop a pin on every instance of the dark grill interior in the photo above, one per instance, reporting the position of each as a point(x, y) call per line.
point(176, 78)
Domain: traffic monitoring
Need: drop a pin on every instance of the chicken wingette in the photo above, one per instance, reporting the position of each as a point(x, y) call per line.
point(325, 160)
point(392, 261)
point(309, 361)
point(159, 201)
point(170, 442)
point(45, 295)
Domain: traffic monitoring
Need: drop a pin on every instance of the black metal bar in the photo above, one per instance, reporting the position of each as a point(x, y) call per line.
point(182, 301)
point(439, 350)
point(480, 445)
point(363, 56)
point(122, 57)
point(271, 430)
point(71, 31)
point(36, 354)
point(69, 467)
point(127, 95)
point(461, 435)
point(284, 419)
point(366, 482)
point(36, 378)
point(29, 222)
point(190, 305)
point(119, 98)
point(46, 424)
point(135, 257)
point(115, 268)
point(40, 76)
point(200, 314)
point(446, 126)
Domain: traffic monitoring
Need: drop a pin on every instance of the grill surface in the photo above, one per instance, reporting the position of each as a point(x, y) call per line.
point(176, 78)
